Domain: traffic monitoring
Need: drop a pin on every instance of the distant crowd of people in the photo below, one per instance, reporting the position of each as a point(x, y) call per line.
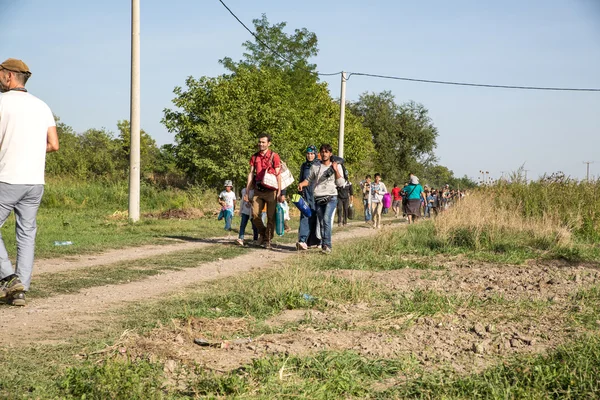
point(413, 201)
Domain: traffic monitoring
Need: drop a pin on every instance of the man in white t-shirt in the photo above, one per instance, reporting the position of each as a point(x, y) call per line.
point(27, 133)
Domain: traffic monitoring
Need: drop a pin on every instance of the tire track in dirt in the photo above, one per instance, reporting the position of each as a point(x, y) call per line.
point(80, 261)
point(57, 319)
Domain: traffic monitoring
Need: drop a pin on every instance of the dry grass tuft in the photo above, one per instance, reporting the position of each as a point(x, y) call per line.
point(478, 218)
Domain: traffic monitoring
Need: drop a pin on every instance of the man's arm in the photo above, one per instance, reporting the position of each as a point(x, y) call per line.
point(339, 174)
point(278, 175)
point(52, 140)
point(249, 182)
point(311, 176)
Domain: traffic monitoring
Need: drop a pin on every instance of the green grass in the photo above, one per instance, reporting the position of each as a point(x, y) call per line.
point(114, 380)
point(384, 252)
point(570, 372)
point(422, 240)
point(51, 284)
point(425, 302)
point(324, 375)
point(586, 307)
point(256, 296)
point(92, 231)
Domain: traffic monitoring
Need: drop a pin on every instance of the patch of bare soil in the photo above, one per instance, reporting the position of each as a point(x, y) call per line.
point(177, 213)
point(466, 341)
point(512, 282)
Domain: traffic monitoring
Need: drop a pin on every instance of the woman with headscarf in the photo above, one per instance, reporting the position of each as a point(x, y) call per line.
point(413, 192)
point(307, 233)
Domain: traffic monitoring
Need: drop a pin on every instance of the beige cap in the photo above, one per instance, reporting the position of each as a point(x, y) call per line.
point(14, 65)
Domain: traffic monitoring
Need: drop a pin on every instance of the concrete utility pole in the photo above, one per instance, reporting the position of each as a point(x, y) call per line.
point(342, 116)
point(588, 169)
point(134, 120)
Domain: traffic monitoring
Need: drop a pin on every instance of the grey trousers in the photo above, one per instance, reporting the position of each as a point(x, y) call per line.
point(25, 200)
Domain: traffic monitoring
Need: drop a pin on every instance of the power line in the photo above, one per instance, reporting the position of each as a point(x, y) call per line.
point(267, 46)
point(475, 84)
point(484, 85)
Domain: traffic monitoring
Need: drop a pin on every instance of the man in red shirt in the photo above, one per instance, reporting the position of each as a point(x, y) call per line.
point(396, 200)
point(262, 161)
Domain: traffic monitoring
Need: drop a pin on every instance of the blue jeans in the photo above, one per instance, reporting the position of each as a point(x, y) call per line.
point(243, 224)
point(304, 229)
point(324, 214)
point(367, 210)
point(25, 201)
point(228, 219)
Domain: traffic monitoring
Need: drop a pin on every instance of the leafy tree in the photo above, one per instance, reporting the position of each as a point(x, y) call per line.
point(403, 135)
point(149, 152)
point(463, 183)
point(438, 175)
point(296, 48)
point(102, 154)
point(69, 161)
point(218, 119)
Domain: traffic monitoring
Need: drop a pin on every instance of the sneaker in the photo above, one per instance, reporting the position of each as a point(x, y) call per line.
point(10, 284)
point(301, 246)
point(17, 299)
point(326, 250)
point(240, 241)
point(261, 240)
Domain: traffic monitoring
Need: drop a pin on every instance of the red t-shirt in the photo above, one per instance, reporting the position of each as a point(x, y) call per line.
point(396, 193)
point(262, 162)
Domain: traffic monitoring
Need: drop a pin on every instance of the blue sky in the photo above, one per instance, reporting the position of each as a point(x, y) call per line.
point(79, 53)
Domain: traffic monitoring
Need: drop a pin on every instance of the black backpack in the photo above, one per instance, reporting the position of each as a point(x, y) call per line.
point(342, 162)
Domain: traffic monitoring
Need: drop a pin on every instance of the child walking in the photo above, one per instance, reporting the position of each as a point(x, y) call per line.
point(246, 214)
point(227, 202)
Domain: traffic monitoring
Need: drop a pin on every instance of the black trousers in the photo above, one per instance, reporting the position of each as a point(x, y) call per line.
point(342, 211)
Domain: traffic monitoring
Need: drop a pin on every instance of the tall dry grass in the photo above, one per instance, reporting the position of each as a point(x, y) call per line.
point(576, 204)
point(481, 221)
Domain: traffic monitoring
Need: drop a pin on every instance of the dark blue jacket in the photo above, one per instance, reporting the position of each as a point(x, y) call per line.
point(308, 192)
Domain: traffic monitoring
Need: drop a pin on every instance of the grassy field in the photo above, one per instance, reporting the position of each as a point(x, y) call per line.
point(476, 304)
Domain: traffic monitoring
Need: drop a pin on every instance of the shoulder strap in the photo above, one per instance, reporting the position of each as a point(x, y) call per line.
point(271, 159)
point(411, 192)
point(256, 155)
